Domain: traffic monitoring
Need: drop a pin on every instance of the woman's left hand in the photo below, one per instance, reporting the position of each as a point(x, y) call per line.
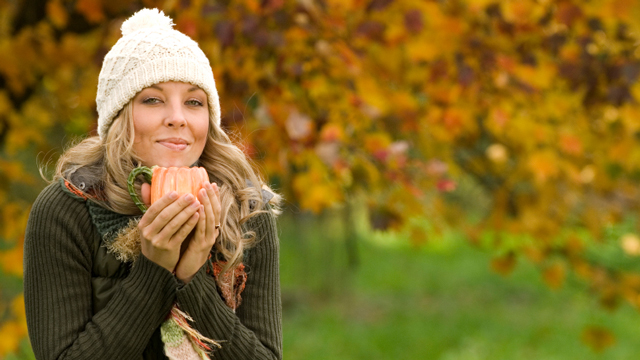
point(205, 235)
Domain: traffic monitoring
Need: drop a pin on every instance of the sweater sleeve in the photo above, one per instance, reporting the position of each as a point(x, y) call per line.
point(58, 295)
point(255, 330)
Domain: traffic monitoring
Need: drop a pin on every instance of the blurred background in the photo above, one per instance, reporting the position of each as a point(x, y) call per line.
point(460, 176)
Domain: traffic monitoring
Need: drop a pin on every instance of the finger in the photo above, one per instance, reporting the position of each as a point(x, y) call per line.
point(175, 216)
point(185, 229)
point(217, 206)
point(154, 210)
point(201, 227)
point(145, 191)
point(205, 194)
point(214, 197)
point(159, 220)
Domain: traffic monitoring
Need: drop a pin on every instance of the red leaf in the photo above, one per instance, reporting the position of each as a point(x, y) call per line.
point(413, 21)
point(378, 4)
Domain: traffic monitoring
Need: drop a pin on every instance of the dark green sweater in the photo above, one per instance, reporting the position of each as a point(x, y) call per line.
point(60, 244)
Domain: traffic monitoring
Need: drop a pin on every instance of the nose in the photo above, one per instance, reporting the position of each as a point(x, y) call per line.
point(175, 116)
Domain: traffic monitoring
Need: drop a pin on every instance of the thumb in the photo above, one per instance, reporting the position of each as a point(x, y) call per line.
point(145, 191)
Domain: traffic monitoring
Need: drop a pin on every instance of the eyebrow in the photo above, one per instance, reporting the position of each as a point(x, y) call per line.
point(155, 86)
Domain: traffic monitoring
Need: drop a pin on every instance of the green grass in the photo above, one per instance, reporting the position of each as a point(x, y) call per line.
point(440, 301)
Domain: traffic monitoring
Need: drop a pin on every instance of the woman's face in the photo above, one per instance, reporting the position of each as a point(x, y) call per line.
point(171, 122)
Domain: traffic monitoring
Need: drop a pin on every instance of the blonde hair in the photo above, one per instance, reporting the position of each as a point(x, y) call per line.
point(103, 166)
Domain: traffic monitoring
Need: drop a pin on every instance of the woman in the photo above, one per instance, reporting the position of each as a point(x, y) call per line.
point(194, 275)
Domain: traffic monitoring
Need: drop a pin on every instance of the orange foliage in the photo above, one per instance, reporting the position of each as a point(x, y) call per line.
point(598, 338)
point(534, 101)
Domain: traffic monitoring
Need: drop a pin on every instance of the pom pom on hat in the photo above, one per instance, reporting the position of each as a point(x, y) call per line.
point(149, 52)
point(146, 18)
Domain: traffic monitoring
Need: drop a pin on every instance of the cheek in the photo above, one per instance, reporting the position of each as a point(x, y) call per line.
point(202, 131)
point(141, 129)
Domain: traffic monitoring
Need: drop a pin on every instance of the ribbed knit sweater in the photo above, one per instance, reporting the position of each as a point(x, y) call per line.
point(60, 241)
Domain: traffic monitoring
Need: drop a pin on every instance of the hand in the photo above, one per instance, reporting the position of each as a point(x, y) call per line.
point(205, 235)
point(165, 225)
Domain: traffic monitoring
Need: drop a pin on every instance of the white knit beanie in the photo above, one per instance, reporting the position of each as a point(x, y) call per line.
point(150, 51)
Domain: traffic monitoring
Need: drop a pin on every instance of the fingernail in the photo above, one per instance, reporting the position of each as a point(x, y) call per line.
point(188, 197)
point(173, 195)
point(208, 186)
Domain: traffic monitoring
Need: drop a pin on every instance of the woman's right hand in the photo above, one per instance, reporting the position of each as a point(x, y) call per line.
point(165, 225)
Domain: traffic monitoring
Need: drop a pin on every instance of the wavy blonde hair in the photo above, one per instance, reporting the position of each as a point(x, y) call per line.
point(102, 167)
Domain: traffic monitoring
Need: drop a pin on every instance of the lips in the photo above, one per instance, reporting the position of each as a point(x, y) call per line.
point(174, 143)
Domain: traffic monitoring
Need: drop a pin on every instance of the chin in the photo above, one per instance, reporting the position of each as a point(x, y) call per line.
point(172, 163)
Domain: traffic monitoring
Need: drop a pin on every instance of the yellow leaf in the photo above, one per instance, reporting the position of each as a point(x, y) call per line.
point(453, 122)
point(583, 269)
point(370, 91)
point(364, 172)
point(14, 170)
point(5, 103)
point(344, 5)
point(252, 5)
point(597, 338)
point(620, 151)
point(319, 88)
point(499, 118)
point(377, 143)
point(315, 191)
point(11, 332)
point(395, 32)
point(587, 174)
point(622, 9)
point(22, 135)
point(570, 52)
point(477, 6)
point(404, 102)
point(544, 166)
point(540, 76)
point(571, 144)
point(504, 264)
point(418, 236)
point(91, 9)
point(11, 261)
point(497, 153)
point(18, 309)
point(331, 133)
point(522, 11)
point(350, 58)
point(13, 216)
point(534, 253)
point(57, 13)
point(554, 275)
point(630, 243)
point(630, 116)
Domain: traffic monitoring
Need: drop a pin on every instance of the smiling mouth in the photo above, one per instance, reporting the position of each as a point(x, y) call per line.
point(173, 145)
